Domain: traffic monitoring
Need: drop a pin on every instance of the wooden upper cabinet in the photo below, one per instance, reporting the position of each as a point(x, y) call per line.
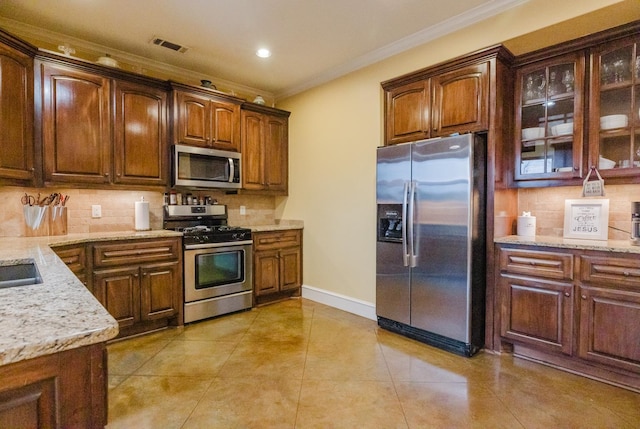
point(614, 108)
point(226, 126)
point(407, 112)
point(75, 125)
point(276, 154)
point(206, 121)
point(16, 115)
point(252, 150)
point(193, 120)
point(460, 100)
point(265, 160)
point(466, 94)
point(140, 140)
point(549, 96)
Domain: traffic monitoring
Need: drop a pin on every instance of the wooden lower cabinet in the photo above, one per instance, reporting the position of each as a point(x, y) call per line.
point(610, 311)
point(140, 296)
point(539, 312)
point(63, 390)
point(579, 309)
point(277, 264)
point(75, 256)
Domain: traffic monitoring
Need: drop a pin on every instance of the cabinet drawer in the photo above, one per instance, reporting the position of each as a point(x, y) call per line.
point(73, 257)
point(615, 272)
point(550, 265)
point(134, 252)
point(276, 239)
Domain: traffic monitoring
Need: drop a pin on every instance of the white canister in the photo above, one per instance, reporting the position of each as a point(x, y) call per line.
point(526, 225)
point(142, 215)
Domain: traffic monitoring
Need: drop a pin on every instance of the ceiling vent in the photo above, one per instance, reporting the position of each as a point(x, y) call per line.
point(169, 45)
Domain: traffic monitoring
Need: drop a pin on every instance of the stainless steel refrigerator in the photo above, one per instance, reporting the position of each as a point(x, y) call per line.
point(430, 256)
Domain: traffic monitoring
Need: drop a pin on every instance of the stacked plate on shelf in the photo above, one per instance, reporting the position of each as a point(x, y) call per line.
point(611, 122)
point(562, 129)
point(529, 134)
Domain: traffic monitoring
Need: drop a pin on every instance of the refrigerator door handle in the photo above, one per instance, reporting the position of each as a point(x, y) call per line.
point(413, 254)
point(405, 250)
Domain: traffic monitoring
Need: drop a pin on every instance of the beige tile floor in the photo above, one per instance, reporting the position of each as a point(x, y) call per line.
point(299, 364)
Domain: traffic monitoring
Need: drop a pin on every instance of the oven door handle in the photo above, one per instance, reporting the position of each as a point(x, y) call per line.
point(213, 245)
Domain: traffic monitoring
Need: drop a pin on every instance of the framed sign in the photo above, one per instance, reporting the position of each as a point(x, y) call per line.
point(586, 219)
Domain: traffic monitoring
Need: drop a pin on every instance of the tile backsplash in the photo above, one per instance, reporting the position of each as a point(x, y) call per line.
point(547, 205)
point(118, 209)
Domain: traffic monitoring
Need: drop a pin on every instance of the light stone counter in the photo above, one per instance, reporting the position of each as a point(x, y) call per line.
point(280, 225)
point(60, 313)
point(621, 246)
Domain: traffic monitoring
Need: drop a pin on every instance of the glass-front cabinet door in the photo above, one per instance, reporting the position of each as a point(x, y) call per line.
point(549, 118)
point(614, 121)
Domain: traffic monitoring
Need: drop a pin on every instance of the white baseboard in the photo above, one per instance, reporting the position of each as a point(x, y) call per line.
point(339, 301)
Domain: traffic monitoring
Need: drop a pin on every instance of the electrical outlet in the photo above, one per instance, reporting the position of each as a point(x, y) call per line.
point(96, 211)
point(243, 210)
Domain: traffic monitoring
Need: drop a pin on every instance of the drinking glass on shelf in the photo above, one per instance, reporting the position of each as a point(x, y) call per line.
point(553, 85)
point(567, 80)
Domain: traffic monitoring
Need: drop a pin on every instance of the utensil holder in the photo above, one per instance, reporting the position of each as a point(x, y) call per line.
point(58, 220)
point(35, 220)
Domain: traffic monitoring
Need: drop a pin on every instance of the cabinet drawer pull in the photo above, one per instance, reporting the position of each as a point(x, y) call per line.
point(548, 263)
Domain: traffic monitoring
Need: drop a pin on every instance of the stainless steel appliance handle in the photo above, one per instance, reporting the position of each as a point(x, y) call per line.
point(405, 251)
point(413, 256)
point(232, 170)
point(213, 245)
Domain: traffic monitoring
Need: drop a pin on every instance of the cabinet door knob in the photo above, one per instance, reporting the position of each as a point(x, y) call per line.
point(584, 296)
point(626, 273)
point(135, 275)
point(567, 294)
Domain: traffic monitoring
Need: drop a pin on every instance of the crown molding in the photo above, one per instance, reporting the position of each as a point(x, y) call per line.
point(429, 34)
point(135, 63)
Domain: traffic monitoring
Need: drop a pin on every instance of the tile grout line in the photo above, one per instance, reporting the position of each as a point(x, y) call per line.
point(393, 381)
point(304, 369)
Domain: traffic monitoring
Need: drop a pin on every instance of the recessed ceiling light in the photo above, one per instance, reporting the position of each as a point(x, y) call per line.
point(263, 53)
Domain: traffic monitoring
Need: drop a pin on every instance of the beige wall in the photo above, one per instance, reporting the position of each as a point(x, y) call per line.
point(336, 127)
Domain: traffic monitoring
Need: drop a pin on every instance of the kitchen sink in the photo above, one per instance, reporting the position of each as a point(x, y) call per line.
point(19, 273)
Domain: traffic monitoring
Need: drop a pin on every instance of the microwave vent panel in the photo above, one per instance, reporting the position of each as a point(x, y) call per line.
point(169, 45)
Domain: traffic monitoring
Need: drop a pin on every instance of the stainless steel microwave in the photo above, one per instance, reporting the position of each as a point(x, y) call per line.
point(205, 168)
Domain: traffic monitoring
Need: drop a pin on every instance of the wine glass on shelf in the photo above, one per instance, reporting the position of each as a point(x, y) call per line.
point(568, 80)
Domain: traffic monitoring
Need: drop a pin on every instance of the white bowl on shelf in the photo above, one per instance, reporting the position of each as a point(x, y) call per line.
point(605, 164)
point(532, 133)
point(611, 122)
point(562, 129)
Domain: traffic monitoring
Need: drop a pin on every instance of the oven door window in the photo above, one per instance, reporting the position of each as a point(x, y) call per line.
point(220, 268)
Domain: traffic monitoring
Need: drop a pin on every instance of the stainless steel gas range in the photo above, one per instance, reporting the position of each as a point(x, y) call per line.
point(218, 261)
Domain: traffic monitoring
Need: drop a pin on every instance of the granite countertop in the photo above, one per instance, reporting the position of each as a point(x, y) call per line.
point(620, 246)
point(279, 225)
point(60, 313)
